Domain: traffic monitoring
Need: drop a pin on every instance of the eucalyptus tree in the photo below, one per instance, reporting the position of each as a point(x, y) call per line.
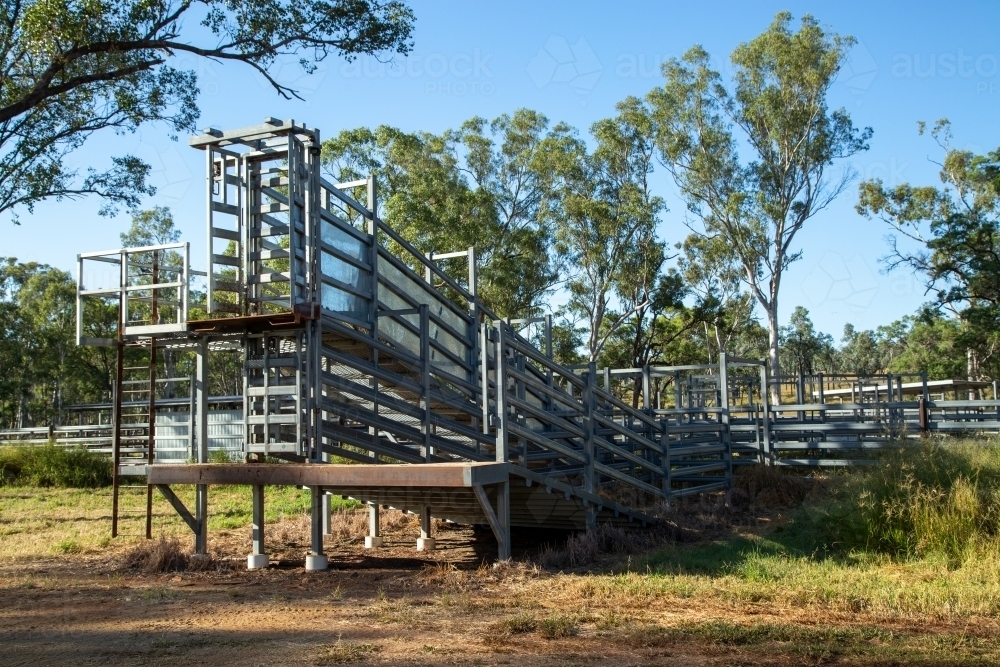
point(711, 271)
point(38, 361)
point(951, 239)
point(605, 216)
point(479, 186)
point(810, 350)
point(776, 110)
point(71, 69)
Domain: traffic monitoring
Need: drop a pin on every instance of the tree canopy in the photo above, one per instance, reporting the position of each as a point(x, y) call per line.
point(951, 238)
point(481, 185)
point(777, 105)
point(74, 68)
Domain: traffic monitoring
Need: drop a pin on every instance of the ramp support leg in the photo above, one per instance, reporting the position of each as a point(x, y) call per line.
point(201, 517)
point(500, 519)
point(327, 514)
point(258, 559)
point(316, 560)
point(374, 537)
point(425, 542)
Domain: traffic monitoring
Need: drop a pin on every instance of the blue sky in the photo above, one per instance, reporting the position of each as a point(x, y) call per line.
point(573, 61)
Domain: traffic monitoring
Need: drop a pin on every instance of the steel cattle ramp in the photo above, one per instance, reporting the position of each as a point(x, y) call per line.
point(355, 346)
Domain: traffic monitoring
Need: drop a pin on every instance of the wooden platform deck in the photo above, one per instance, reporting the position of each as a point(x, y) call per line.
point(334, 476)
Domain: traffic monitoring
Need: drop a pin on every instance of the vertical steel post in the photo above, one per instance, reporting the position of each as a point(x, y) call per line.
point(645, 387)
point(192, 454)
point(258, 518)
point(79, 301)
point(116, 417)
point(374, 537)
point(151, 431)
point(724, 416)
point(765, 410)
point(373, 225)
point(548, 338)
point(154, 318)
point(201, 516)
point(201, 490)
point(258, 557)
point(210, 240)
point(201, 400)
point(501, 398)
point(503, 518)
point(425, 372)
point(589, 450)
point(426, 540)
point(665, 459)
point(373, 260)
point(799, 394)
point(485, 373)
point(475, 347)
point(327, 505)
point(677, 393)
point(116, 432)
point(316, 560)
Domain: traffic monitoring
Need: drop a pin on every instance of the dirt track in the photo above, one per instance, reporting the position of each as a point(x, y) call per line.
point(400, 607)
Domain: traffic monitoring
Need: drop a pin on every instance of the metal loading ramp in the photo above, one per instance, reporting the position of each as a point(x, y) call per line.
point(353, 345)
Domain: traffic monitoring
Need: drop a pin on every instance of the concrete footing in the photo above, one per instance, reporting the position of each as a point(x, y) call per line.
point(257, 561)
point(371, 542)
point(425, 544)
point(315, 563)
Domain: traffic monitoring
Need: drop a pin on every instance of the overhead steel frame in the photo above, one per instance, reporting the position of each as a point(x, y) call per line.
point(356, 345)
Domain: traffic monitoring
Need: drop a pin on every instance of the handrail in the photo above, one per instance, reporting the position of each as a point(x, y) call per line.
point(628, 409)
point(406, 245)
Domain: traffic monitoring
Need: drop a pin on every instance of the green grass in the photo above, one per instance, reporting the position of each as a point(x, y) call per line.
point(916, 534)
point(941, 498)
point(557, 626)
point(52, 466)
point(35, 521)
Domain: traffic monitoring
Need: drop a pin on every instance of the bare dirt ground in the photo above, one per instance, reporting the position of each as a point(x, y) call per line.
point(398, 606)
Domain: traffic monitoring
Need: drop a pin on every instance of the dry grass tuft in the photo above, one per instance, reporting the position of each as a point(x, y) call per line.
point(346, 652)
point(163, 555)
point(557, 626)
point(290, 531)
point(586, 548)
point(348, 525)
point(444, 575)
point(450, 578)
point(498, 632)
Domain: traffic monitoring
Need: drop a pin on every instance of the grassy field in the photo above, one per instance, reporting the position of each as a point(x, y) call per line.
point(50, 521)
point(899, 564)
